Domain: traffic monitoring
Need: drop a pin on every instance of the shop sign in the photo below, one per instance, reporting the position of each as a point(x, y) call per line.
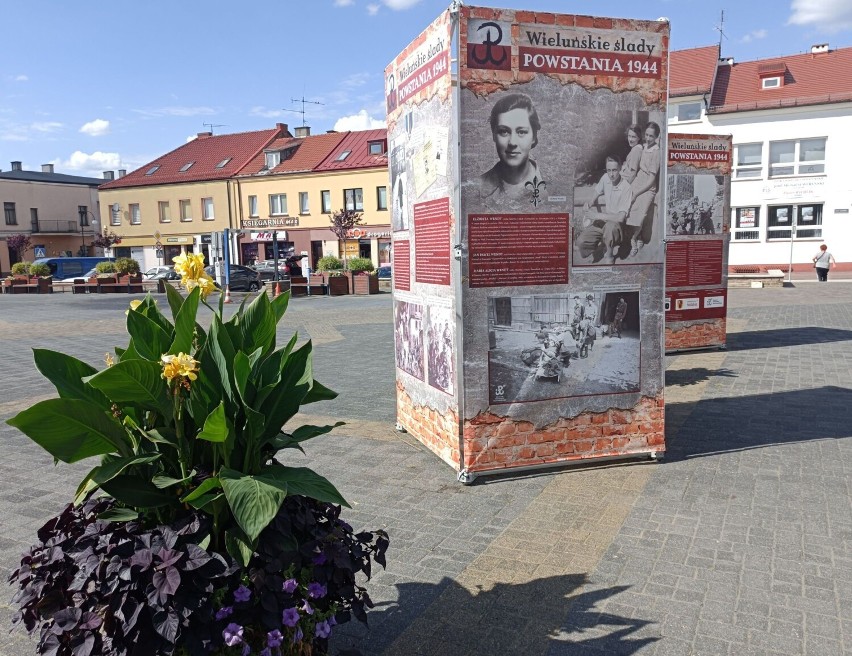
point(799, 189)
point(268, 236)
point(276, 222)
point(362, 233)
point(177, 240)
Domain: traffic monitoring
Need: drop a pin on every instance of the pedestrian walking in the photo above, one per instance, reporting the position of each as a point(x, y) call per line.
point(822, 261)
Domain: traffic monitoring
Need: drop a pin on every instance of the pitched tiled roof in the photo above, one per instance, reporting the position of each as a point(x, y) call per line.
point(691, 71)
point(809, 79)
point(55, 178)
point(308, 152)
point(207, 152)
point(359, 157)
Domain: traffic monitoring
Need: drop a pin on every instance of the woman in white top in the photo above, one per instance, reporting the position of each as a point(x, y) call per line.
point(644, 186)
point(631, 163)
point(822, 261)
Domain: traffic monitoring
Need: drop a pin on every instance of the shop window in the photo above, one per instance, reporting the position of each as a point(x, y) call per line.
point(746, 222)
point(804, 221)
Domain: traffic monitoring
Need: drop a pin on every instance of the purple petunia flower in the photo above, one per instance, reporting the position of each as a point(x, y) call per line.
point(242, 594)
point(323, 629)
point(233, 634)
point(274, 638)
point(246, 650)
point(266, 652)
point(319, 559)
point(307, 608)
point(297, 637)
point(290, 586)
point(223, 612)
point(316, 590)
point(290, 617)
point(332, 621)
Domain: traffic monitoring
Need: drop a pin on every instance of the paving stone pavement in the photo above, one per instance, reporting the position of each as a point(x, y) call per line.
point(740, 542)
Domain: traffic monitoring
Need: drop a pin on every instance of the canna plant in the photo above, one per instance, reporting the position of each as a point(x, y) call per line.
point(185, 420)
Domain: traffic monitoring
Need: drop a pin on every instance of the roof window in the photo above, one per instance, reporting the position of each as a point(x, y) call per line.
point(377, 147)
point(187, 166)
point(342, 156)
point(153, 169)
point(223, 163)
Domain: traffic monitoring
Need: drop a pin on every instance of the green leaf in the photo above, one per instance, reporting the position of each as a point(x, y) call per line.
point(205, 500)
point(242, 374)
point(206, 485)
point(129, 353)
point(216, 426)
point(270, 370)
point(175, 299)
point(318, 392)
point(111, 468)
point(150, 340)
point(258, 326)
point(119, 515)
point(162, 435)
point(151, 310)
point(86, 487)
point(162, 482)
point(254, 500)
point(301, 434)
point(136, 492)
point(279, 305)
point(284, 399)
point(304, 482)
point(67, 373)
point(138, 382)
point(185, 323)
point(239, 546)
point(72, 430)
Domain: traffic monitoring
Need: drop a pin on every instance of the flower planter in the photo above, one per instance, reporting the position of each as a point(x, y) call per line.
point(365, 283)
point(133, 282)
point(28, 285)
point(337, 285)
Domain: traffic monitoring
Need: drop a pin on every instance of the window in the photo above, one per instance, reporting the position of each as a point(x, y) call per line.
point(343, 155)
point(34, 218)
point(770, 83)
point(326, 201)
point(252, 200)
point(799, 157)
point(304, 206)
point(273, 159)
point(152, 170)
point(278, 204)
point(186, 167)
point(223, 163)
point(377, 147)
point(207, 213)
point(808, 221)
point(746, 224)
point(353, 199)
point(164, 212)
point(690, 111)
point(9, 211)
point(115, 214)
point(185, 210)
point(135, 215)
point(749, 160)
point(381, 198)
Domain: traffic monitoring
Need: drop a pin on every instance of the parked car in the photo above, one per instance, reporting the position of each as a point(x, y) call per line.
point(384, 271)
point(89, 274)
point(266, 269)
point(63, 268)
point(241, 278)
point(168, 274)
point(155, 271)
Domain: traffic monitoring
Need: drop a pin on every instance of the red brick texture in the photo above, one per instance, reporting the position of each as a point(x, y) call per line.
point(707, 333)
point(494, 442)
point(439, 431)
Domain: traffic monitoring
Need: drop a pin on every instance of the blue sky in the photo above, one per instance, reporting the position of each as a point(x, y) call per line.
point(92, 86)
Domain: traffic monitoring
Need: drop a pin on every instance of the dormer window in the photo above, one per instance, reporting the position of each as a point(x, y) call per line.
point(186, 167)
point(273, 159)
point(377, 147)
point(770, 83)
point(772, 75)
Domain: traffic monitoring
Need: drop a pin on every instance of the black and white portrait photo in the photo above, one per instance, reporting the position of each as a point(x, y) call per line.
point(617, 199)
point(408, 326)
point(563, 345)
point(696, 204)
point(440, 337)
point(399, 197)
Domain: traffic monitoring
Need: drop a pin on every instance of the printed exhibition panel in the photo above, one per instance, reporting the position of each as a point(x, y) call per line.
point(561, 139)
point(698, 190)
point(423, 178)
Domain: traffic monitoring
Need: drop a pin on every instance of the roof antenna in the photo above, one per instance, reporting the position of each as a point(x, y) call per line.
point(214, 125)
point(720, 28)
point(302, 111)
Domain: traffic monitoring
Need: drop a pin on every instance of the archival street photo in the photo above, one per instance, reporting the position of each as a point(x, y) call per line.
point(408, 329)
point(696, 204)
point(440, 337)
point(556, 346)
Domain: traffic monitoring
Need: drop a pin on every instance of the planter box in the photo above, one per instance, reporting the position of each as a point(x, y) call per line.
point(365, 283)
point(27, 285)
point(338, 285)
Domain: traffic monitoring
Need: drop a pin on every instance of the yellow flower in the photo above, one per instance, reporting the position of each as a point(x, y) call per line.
point(133, 306)
point(205, 282)
point(179, 365)
point(190, 267)
point(108, 359)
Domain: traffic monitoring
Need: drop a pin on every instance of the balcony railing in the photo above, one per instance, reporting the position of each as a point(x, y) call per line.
point(58, 225)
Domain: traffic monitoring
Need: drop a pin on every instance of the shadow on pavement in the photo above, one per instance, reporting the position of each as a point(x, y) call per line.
point(684, 377)
point(546, 615)
point(758, 339)
point(749, 422)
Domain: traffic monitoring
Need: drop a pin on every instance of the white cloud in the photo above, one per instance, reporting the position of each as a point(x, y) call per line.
point(265, 112)
point(11, 131)
point(80, 163)
point(400, 5)
point(372, 9)
point(355, 80)
point(45, 126)
point(754, 35)
point(21, 78)
point(191, 137)
point(344, 3)
point(95, 128)
point(828, 15)
point(176, 111)
point(360, 121)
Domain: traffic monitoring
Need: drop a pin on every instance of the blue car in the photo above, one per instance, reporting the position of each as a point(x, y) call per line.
point(385, 271)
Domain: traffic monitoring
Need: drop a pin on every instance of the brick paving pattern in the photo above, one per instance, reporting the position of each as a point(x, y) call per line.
point(740, 542)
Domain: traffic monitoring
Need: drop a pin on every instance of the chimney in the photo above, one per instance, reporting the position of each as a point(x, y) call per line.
point(283, 130)
point(203, 135)
point(303, 132)
point(16, 166)
point(47, 168)
point(819, 49)
point(726, 61)
point(109, 175)
point(122, 173)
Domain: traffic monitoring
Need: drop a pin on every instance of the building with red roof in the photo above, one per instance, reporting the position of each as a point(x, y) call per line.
point(791, 122)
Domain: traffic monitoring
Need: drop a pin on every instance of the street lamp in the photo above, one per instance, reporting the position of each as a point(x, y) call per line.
point(85, 213)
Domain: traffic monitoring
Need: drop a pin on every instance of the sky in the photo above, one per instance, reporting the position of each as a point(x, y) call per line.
point(94, 86)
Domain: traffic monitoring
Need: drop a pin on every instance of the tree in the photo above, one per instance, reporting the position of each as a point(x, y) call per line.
point(106, 240)
point(19, 243)
point(342, 223)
